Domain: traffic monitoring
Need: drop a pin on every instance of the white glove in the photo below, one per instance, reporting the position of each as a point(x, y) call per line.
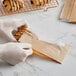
point(7, 27)
point(14, 53)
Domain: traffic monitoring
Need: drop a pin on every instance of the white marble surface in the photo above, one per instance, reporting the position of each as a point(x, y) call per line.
point(49, 28)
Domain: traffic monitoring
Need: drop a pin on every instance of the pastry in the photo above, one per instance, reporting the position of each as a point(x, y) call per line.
point(13, 5)
point(20, 32)
point(17, 4)
point(7, 5)
point(55, 52)
point(40, 2)
point(45, 1)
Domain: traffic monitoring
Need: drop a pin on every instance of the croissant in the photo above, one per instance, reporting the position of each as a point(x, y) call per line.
point(40, 2)
point(22, 30)
point(13, 5)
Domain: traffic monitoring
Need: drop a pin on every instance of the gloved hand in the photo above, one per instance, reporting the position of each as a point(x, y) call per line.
point(7, 27)
point(14, 53)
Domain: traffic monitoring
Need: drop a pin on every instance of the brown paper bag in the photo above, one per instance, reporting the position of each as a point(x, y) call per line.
point(42, 48)
point(45, 49)
point(69, 11)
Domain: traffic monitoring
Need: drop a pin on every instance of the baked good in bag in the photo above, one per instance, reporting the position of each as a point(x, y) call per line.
point(13, 5)
point(22, 30)
point(55, 52)
point(40, 2)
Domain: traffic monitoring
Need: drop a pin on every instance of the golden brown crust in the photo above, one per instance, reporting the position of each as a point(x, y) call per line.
point(35, 2)
point(22, 30)
point(17, 3)
point(21, 3)
point(7, 5)
point(45, 1)
point(13, 5)
point(40, 2)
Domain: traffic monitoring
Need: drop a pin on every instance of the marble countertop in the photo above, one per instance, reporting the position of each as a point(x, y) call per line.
point(49, 28)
